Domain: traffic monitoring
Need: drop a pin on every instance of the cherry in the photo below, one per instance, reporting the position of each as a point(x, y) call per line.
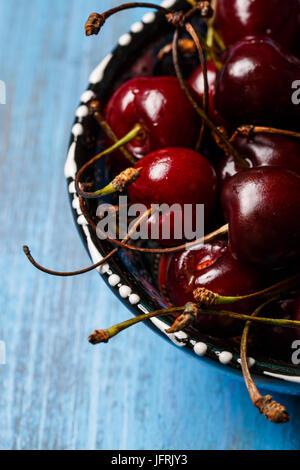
point(196, 82)
point(160, 105)
point(254, 86)
point(277, 340)
point(262, 149)
point(211, 266)
point(277, 19)
point(175, 175)
point(261, 206)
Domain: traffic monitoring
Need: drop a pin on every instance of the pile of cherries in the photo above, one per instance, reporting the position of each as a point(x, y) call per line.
point(249, 88)
point(177, 130)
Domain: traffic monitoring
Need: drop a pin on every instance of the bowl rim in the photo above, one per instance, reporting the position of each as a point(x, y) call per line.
point(122, 283)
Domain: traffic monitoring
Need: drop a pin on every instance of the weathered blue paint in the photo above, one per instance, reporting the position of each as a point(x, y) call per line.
point(57, 391)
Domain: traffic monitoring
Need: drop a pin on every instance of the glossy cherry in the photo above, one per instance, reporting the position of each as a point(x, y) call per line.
point(160, 105)
point(276, 341)
point(262, 149)
point(212, 266)
point(175, 175)
point(254, 85)
point(261, 206)
point(277, 19)
point(196, 82)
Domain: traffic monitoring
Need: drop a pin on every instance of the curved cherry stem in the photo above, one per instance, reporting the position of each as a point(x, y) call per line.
point(272, 410)
point(138, 222)
point(202, 60)
point(206, 238)
point(95, 109)
point(97, 20)
point(137, 131)
point(250, 130)
point(207, 297)
point(240, 161)
point(102, 336)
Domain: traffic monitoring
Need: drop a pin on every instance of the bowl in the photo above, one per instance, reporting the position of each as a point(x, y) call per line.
point(133, 277)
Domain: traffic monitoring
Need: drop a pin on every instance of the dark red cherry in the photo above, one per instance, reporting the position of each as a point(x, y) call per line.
point(261, 206)
point(160, 105)
point(196, 82)
point(277, 19)
point(276, 341)
point(212, 266)
point(262, 149)
point(255, 84)
point(175, 175)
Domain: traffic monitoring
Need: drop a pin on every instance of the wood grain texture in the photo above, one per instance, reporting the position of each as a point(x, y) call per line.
point(57, 391)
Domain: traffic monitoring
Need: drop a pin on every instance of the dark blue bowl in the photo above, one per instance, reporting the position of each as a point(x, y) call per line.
point(132, 277)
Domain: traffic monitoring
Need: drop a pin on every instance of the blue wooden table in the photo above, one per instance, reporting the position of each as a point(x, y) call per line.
point(56, 390)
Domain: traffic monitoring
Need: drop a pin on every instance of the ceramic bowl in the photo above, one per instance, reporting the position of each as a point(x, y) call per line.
point(133, 278)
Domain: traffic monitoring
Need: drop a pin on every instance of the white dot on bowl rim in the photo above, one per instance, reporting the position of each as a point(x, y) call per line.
point(251, 361)
point(225, 357)
point(113, 280)
point(82, 111)
point(168, 3)
point(72, 187)
point(125, 39)
point(181, 335)
point(75, 203)
point(125, 291)
point(149, 17)
point(104, 268)
point(77, 129)
point(87, 96)
point(134, 299)
point(200, 349)
point(137, 27)
point(81, 220)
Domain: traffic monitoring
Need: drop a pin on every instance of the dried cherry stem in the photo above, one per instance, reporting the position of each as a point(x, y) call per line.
point(102, 336)
point(202, 60)
point(272, 410)
point(138, 131)
point(211, 236)
point(95, 109)
point(138, 222)
point(97, 20)
point(240, 161)
point(204, 296)
point(250, 130)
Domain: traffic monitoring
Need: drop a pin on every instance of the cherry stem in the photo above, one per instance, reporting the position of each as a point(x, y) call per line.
point(102, 336)
point(262, 320)
point(206, 297)
point(211, 236)
point(219, 39)
point(272, 410)
point(188, 46)
point(137, 131)
point(250, 130)
point(202, 60)
point(97, 20)
point(240, 162)
point(95, 108)
point(138, 222)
